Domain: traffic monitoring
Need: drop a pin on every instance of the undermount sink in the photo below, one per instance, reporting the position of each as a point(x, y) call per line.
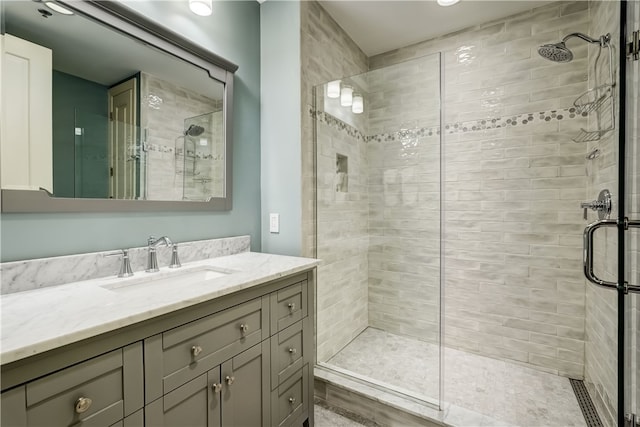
point(179, 278)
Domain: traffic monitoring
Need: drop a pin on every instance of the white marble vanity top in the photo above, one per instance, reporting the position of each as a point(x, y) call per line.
point(39, 320)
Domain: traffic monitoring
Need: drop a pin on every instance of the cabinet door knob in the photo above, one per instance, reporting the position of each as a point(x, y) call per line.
point(229, 379)
point(196, 350)
point(292, 400)
point(292, 306)
point(244, 328)
point(216, 387)
point(82, 404)
point(292, 350)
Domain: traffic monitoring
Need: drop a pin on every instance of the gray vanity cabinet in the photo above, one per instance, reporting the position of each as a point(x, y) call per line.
point(243, 360)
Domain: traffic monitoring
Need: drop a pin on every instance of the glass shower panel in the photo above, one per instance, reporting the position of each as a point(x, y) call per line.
point(378, 227)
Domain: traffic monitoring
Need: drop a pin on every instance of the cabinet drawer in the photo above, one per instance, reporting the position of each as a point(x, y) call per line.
point(185, 352)
point(291, 399)
point(90, 393)
point(288, 350)
point(288, 306)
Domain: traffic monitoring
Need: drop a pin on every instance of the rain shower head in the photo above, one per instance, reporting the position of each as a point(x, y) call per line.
point(556, 52)
point(559, 52)
point(194, 130)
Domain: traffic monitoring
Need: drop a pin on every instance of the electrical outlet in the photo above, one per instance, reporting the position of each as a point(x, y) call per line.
point(274, 223)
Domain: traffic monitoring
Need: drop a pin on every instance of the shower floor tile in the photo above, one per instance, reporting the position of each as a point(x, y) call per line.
point(513, 394)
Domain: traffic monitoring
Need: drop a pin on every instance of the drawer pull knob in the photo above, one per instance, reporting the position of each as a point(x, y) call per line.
point(292, 400)
point(229, 379)
point(244, 328)
point(196, 350)
point(293, 350)
point(216, 387)
point(292, 306)
point(82, 404)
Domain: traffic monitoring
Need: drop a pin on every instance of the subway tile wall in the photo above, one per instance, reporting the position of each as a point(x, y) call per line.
point(513, 281)
point(327, 52)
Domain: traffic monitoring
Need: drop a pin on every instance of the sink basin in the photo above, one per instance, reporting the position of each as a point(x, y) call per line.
point(175, 278)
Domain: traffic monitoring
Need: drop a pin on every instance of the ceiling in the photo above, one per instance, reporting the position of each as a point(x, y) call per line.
point(383, 25)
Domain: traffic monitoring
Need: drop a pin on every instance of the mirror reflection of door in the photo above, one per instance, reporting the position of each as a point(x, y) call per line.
point(122, 140)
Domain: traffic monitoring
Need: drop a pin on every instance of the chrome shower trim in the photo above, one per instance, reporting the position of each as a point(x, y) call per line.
point(602, 40)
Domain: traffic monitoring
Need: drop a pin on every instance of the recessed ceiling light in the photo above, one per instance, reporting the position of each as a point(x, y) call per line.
point(201, 7)
point(447, 2)
point(56, 7)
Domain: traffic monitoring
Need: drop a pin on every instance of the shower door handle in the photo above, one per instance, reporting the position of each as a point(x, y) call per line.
point(587, 254)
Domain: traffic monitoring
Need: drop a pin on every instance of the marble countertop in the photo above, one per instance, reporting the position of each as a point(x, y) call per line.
point(43, 319)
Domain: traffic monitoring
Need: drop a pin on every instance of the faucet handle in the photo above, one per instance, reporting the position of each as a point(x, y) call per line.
point(175, 260)
point(125, 266)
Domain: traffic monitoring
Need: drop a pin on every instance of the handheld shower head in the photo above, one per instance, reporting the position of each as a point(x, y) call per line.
point(556, 52)
point(194, 130)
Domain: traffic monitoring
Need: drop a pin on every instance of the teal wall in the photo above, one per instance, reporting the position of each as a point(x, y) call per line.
point(281, 123)
point(233, 31)
point(80, 103)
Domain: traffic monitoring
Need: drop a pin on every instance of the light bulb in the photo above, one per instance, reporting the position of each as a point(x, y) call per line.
point(358, 104)
point(447, 2)
point(333, 89)
point(58, 8)
point(346, 96)
point(201, 7)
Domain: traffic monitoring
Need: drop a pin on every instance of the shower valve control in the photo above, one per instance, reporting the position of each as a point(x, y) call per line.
point(602, 205)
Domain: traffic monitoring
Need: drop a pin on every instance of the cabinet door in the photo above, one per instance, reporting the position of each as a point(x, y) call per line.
point(245, 395)
point(194, 404)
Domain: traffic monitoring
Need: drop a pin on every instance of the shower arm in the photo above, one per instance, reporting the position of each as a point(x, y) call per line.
point(602, 41)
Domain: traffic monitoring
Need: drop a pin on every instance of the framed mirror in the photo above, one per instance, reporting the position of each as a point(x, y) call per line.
point(104, 110)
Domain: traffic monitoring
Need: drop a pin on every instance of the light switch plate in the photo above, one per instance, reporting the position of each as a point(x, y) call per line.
point(274, 223)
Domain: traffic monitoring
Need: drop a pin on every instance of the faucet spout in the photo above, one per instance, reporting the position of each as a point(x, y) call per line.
point(152, 259)
point(153, 242)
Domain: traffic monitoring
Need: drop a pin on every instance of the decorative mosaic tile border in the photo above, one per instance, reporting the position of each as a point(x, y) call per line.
point(337, 124)
point(450, 128)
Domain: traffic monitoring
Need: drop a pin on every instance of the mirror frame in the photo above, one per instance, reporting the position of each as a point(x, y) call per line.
point(127, 21)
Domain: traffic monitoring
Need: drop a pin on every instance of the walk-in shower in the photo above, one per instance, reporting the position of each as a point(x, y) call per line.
point(449, 222)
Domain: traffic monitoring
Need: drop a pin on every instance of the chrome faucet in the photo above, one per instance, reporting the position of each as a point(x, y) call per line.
point(152, 259)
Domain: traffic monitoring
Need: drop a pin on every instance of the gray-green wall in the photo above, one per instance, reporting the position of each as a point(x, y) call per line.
point(233, 31)
point(80, 162)
point(280, 135)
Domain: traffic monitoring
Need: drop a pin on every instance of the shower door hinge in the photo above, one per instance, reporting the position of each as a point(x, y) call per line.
point(631, 420)
point(633, 47)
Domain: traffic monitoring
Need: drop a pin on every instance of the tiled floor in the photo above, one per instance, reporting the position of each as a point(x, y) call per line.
point(327, 418)
point(513, 394)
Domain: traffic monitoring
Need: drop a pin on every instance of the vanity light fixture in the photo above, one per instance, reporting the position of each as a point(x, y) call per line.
point(447, 2)
point(201, 7)
point(57, 8)
point(333, 89)
point(346, 96)
point(358, 104)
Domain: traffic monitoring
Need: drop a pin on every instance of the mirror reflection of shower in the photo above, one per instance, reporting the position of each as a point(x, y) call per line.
point(200, 156)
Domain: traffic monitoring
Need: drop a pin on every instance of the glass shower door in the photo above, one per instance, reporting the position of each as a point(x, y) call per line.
point(632, 249)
